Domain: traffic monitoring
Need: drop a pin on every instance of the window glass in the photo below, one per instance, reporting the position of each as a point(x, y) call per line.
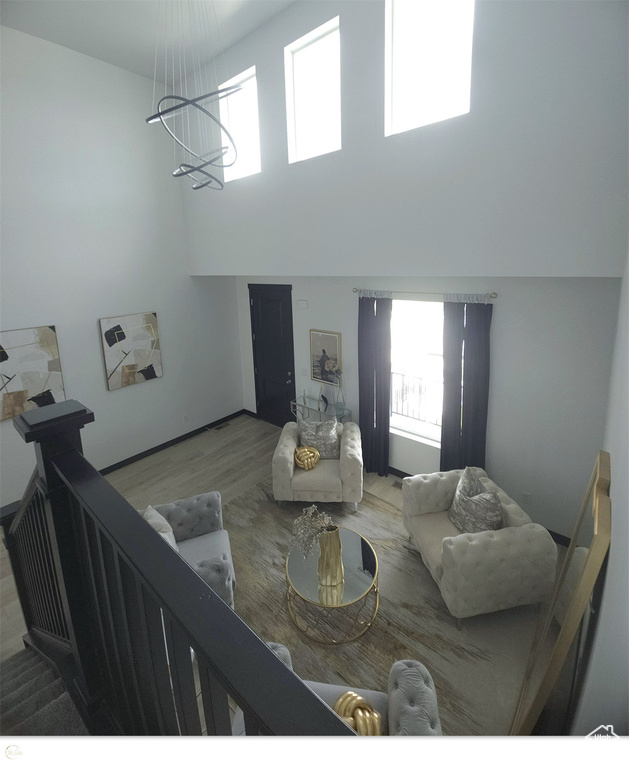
point(239, 115)
point(417, 367)
point(428, 61)
point(313, 92)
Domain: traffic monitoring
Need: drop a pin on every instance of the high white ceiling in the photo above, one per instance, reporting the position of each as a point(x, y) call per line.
point(124, 32)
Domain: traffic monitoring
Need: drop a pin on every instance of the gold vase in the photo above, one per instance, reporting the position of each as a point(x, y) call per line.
point(331, 595)
point(330, 567)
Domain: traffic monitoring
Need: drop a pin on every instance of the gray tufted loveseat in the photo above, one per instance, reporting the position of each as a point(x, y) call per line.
point(331, 479)
point(478, 572)
point(197, 533)
point(409, 708)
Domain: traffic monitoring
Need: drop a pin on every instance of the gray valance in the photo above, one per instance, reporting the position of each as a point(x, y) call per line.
point(364, 293)
point(469, 298)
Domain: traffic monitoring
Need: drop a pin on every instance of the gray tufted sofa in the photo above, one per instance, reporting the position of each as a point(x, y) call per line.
point(478, 572)
point(199, 537)
point(330, 480)
point(409, 708)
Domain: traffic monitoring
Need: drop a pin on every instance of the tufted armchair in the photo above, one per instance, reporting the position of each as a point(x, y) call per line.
point(409, 708)
point(478, 572)
point(197, 533)
point(330, 480)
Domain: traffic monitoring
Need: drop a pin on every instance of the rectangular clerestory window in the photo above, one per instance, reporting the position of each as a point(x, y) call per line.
point(312, 66)
point(428, 62)
point(239, 115)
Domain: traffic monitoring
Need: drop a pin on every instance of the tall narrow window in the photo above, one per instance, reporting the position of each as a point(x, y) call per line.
point(239, 115)
point(417, 368)
point(428, 61)
point(313, 92)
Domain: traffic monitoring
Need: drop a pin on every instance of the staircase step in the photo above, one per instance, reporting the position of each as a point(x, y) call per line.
point(17, 664)
point(15, 696)
point(22, 675)
point(31, 706)
point(58, 718)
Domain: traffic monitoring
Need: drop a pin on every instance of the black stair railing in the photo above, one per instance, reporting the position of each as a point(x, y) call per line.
point(143, 643)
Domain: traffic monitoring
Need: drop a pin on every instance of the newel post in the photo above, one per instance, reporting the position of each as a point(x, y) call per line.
point(54, 430)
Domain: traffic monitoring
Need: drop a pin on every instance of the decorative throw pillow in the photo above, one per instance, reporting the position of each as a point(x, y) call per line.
point(321, 435)
point(306, 457)
point(474, 509)
point(159, 524)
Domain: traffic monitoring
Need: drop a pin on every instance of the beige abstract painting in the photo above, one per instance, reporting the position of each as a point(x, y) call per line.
point(30, 370)
point(131, 349)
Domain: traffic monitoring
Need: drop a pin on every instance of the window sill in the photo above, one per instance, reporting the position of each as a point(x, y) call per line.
point(417, 438)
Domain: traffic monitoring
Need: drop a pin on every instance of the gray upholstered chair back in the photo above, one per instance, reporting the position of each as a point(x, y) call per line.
point(195, 516)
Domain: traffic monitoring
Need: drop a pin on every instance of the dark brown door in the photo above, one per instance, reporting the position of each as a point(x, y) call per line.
point(273, 360)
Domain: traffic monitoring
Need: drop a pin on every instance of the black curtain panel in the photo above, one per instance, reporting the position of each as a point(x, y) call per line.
point(374, 381)
point(466, 384)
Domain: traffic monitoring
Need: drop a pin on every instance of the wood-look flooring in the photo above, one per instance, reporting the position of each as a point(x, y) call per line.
point(231, 458)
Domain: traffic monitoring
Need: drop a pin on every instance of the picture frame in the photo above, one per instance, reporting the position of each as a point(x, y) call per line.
point(131, 349)
point(325, 356)
point(30, 370)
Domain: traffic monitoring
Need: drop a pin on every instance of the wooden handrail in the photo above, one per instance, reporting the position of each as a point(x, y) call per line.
point(245, 666)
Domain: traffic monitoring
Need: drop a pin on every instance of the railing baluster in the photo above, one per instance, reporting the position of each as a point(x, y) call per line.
point(102, 547)
point(215, 701)
point(157, 649)
point(98, 602)
point(182, 676)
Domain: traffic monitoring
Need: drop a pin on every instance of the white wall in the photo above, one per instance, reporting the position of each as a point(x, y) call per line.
point(531, 182)
point(605, 698)
point(92, 227)
point(551, 354)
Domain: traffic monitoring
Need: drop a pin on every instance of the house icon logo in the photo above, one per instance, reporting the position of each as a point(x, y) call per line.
point(603, 732)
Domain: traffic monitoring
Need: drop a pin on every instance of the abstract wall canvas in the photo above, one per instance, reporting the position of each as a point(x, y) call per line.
point(30, 370)
point(131, 349)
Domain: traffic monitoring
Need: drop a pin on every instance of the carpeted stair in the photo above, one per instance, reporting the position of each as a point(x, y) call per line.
point(34, 700)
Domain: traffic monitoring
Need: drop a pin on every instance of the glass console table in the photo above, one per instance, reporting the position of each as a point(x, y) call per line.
point(305, 407)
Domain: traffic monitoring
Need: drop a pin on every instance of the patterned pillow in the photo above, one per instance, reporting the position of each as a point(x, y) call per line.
point(474, 509)
point(321, 435)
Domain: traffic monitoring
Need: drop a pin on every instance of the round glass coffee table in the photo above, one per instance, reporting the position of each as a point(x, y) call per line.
point(340, 613)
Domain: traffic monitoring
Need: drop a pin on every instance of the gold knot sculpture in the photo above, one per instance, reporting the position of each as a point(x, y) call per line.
point(358, 714)
point(306, 457)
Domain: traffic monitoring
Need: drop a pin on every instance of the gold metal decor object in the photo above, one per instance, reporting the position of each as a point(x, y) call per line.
point(358, 714)
point(330, 567)
point(306, 457)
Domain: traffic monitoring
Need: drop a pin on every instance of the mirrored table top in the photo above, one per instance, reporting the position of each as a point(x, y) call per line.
point(360, 566)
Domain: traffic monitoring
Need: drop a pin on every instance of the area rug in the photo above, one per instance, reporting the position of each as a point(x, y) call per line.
point(477, 668)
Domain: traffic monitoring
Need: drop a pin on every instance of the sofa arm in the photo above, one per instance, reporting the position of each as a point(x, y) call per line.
point(195, 516)
point(413, 708)
point(351, 462)
point(218, 574)
point(492, 570)
point(283, 464)
point(424, 494)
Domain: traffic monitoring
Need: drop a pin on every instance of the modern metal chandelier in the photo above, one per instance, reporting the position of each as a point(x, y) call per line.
point(201, 143)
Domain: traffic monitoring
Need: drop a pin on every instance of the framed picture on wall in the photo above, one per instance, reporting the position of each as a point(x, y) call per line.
point(30, 370)
point(131, 349)
point(325, 356)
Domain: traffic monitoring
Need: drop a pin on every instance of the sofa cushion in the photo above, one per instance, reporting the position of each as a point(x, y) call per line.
point(205, 547)
point(159, 524)
point(428, 532)
point(322, 435)
point(473, 508)
point(326, 476)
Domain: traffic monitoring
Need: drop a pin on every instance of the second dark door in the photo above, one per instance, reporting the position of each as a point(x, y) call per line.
point(273, 358)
